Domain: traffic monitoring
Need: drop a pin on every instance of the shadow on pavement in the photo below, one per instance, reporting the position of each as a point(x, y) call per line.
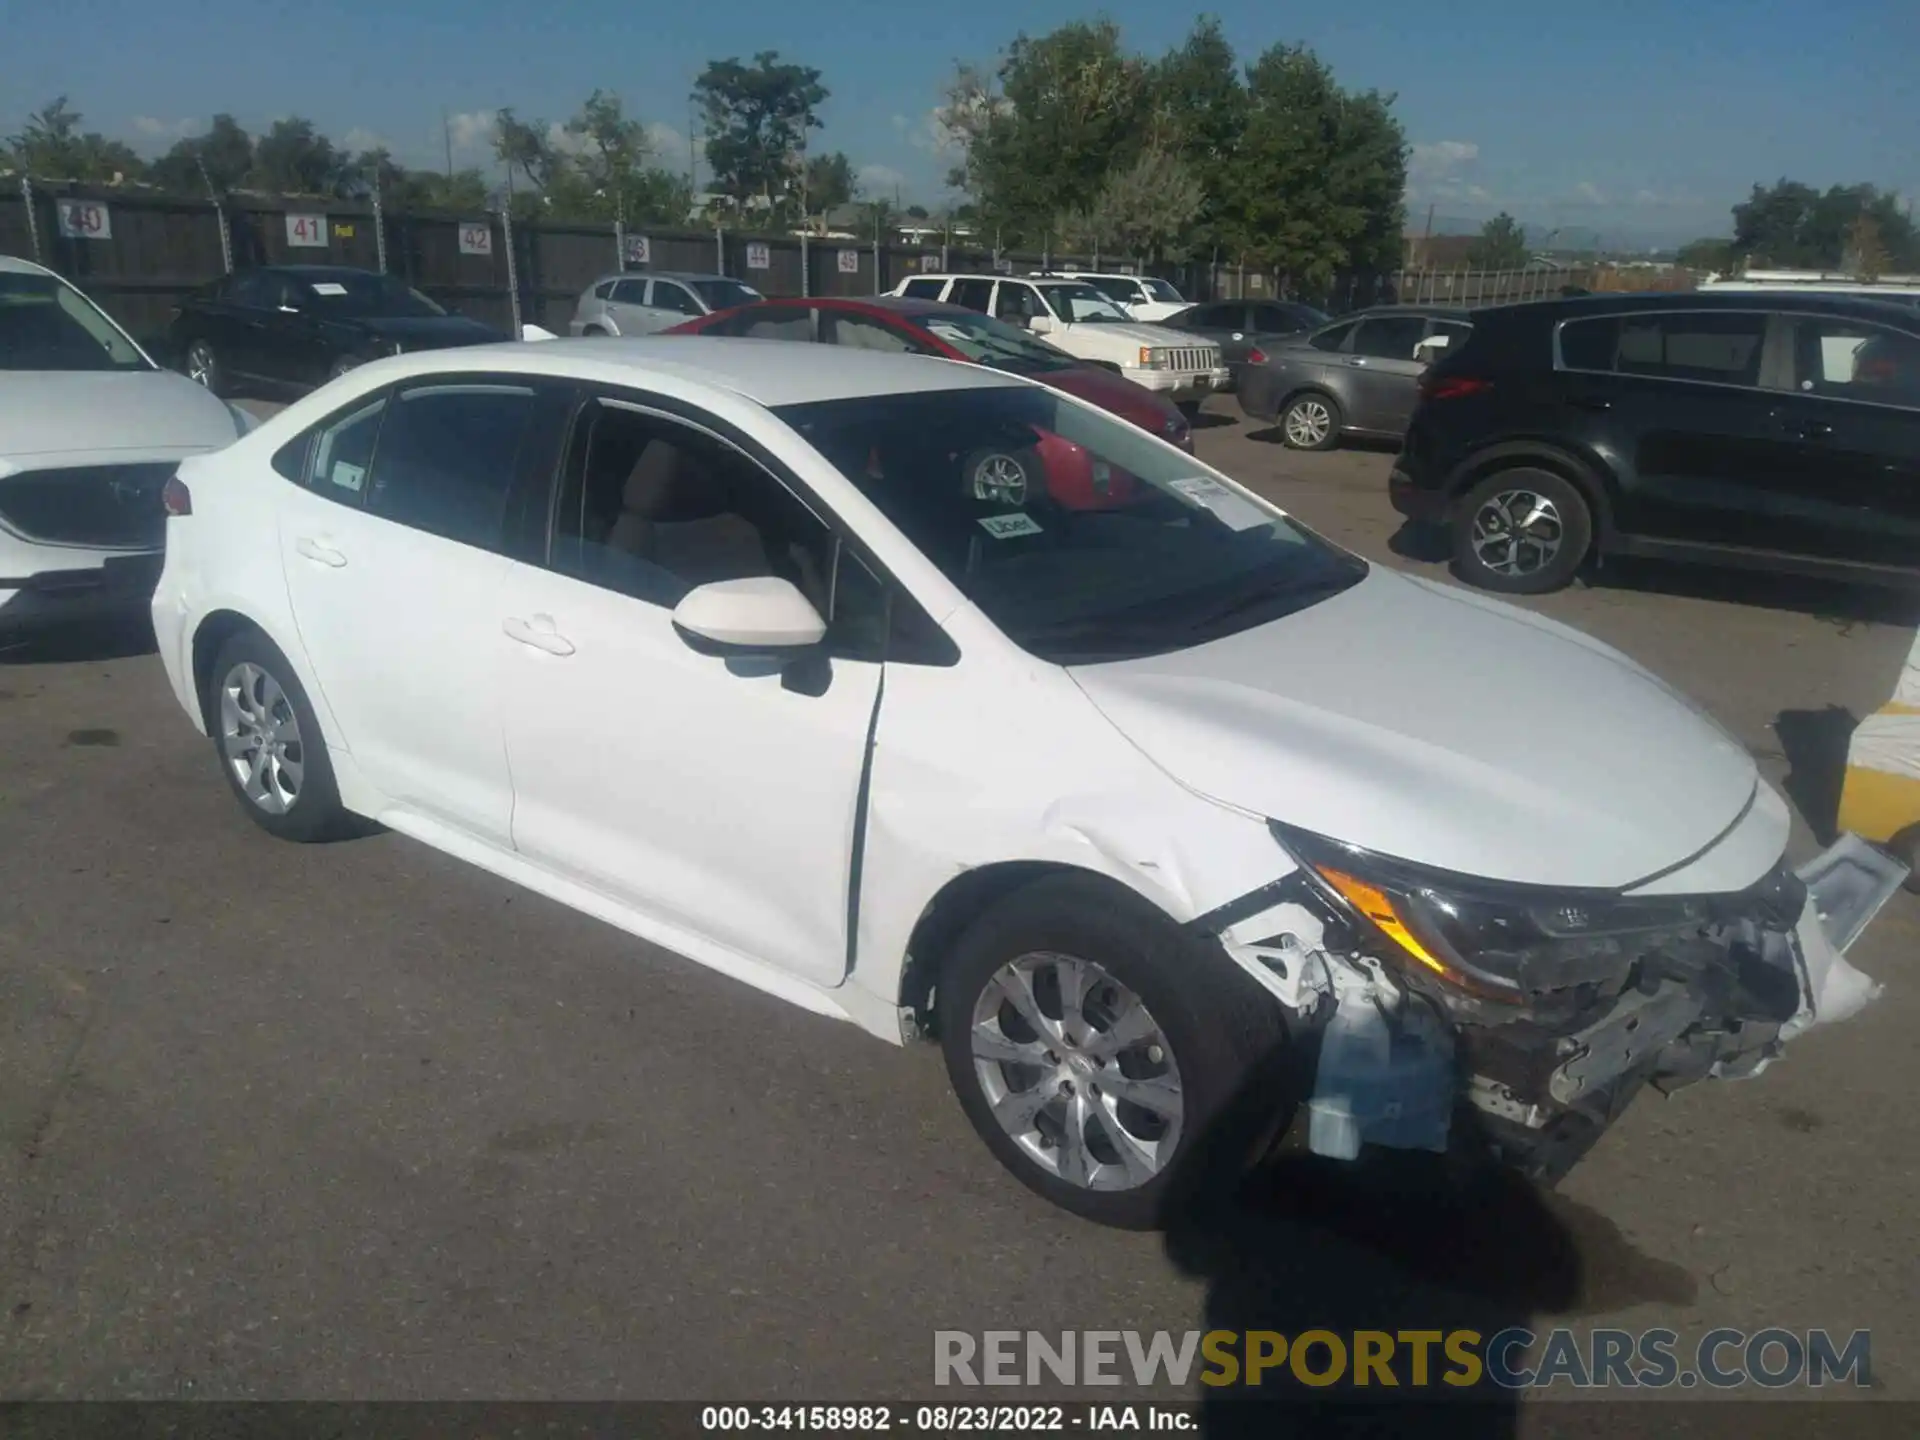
point(1210, 420)
point(1427, 543)
point(1844, 605)
point(1403, 1243)
point(1814, 743)
point(78, 642)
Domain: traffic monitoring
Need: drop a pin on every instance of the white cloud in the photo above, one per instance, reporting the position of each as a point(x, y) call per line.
point(156, 129)
point(472, 134)
point(1588, 193)
point(360, 138)
point(1479, 192)
point(1441, 157)
point(880, 179)
point(670, 145)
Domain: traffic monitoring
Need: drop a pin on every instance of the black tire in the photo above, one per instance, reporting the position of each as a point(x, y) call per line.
point(314, 812)
point(201, 363)
point(1304, 403)
point(1570, 529)
point(1225, 1036)
point(595, 332)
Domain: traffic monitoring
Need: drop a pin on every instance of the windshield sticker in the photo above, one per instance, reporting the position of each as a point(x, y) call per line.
point(329, 287)
point(1236, 512)
point(949, 332)
point(1005, 527)
point(348, 477)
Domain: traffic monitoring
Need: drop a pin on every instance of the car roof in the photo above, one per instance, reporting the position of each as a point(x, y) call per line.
point(1859, 306)
point(767, 372)
point(17, 266)
point(666, 275)
point(312, 272)
point(1432, 312)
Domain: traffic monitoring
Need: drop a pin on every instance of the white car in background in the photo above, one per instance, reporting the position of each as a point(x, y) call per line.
point(1138, 794)
point(1075, 317)
point(1144, 297)
point(90, 429)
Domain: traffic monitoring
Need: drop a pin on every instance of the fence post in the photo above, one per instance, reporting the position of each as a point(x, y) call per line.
point(379, 231)
point(33, 220)
point(513, 269)
point(806, 269)
point(879, 275)
point(619, 244)
point(719, 248)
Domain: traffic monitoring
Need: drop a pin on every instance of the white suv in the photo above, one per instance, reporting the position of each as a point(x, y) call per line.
point(1144, 297)
point(1087, 325)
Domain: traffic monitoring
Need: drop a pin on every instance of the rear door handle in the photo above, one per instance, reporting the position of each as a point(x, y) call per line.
point(538, 632)
point(320, 552)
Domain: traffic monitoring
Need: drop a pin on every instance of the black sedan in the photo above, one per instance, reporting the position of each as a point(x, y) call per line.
point(1239, 326)
point(292, 327)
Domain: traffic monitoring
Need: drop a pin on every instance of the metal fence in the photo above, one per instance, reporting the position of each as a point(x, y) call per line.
point(137, 252)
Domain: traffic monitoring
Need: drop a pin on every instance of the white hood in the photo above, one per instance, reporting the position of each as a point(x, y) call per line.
point(1134, 334)
point(1425, 722)
point(154, 412)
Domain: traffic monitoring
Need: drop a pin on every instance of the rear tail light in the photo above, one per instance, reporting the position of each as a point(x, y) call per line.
point(1256, 356)
point(1452, 387)
point(175, 498)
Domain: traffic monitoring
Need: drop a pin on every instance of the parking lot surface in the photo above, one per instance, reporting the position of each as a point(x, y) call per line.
point(359, 1121)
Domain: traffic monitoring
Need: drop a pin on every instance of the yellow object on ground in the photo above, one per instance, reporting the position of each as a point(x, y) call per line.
point(1882, 793)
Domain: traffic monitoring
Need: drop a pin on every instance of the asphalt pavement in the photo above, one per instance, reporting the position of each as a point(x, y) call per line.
point(357, 1121)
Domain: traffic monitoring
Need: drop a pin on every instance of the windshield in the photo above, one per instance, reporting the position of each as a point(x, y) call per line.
point(48, 325)
point(1080, 536)
point(1080, 304)
point(347, 292)
point(725, 294)
point(987, 341)
point(1116, 288)
point(1161, 290)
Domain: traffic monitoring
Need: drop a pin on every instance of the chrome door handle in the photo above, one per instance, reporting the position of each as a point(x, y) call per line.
point(1356, 360)
point(539, 633)
point(320, 552)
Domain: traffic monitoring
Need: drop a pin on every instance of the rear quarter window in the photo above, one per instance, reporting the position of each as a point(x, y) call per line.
point(924, 289)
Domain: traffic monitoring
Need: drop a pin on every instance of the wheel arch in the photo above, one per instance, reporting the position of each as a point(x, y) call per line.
point(1585, 475)
point(220, 625)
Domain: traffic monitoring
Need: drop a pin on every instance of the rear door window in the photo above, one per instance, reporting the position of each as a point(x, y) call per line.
point(1390, 337)
point(1711, 345)
point(973, 294)
point(630, 292)
point(775, 322)
point(1848, 360)
point(446, 460)
point(669, 296)
point(863, 332)
point(1333, 338)
point(924, 289)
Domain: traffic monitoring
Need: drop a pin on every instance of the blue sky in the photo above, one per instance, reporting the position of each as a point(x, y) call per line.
point(1635, 119)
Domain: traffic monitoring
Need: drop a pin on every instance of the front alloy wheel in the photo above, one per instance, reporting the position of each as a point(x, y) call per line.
point(260, 737)
point(1077, 1072)
point(1310, 423)
point(203, 367)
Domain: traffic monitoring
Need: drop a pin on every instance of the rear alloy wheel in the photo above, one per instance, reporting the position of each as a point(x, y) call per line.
point(203, 367)
point(269, 742)
point(1000, 477)
point(1522, 531)
point(1311, 422)
point(1098, 1049)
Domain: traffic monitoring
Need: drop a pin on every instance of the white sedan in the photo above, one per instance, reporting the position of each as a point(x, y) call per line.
point(927, 698)
point(90, 429)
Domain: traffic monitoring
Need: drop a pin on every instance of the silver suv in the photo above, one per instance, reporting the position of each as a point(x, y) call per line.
point(637, 303)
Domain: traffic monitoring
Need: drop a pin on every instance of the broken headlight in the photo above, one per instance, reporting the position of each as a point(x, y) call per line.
point(1497, 941)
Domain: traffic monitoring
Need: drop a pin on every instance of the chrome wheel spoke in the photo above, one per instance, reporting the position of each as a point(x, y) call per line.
point(1016, 986)
point(1018, 1109)
point(1516, 532)
point(1076, 1162)
point(1132, 1026)
point(1139, 1158)
point(996, 1045)
point(1159, 1095)
point(1073, 978)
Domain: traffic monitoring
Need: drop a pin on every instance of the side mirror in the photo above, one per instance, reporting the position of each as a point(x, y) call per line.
point(1041, 324)
point(762, 615)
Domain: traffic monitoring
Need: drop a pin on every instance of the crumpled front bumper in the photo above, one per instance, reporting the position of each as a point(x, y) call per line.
point(1393, 1071)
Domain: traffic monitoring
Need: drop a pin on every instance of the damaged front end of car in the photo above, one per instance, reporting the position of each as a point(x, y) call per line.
point(1538, 1013)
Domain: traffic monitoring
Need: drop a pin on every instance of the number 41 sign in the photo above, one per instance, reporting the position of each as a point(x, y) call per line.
point(307, 230)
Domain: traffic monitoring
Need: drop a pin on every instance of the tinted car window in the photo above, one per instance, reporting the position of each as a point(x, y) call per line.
point(974, 294)
point(1589, 344)
point(1853, 361)
point(987, 341)
point(724, 294)
point(1390, 337)
point(1208, 317)
point(630, 292)
point(1015, 303)
point(254, 289)
point(669, 296)
point(446, 459)
point(1332, 339)
point(863, 332)
point(47, 325)
point(1127, 292)
point(341, 451)
point(775, 322)
point(604, 290)
point(925, 289)
point(1701, 345)
point(354, 292)
point(1455, 332)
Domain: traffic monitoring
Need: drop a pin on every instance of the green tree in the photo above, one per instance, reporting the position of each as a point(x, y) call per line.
point(1320, 175)
point(525, 145)
point(756, 119)
point(831, 183)
point(219, 160)
point(1201, 113)
point(1792, 224)
point(614, 151)
point(1502, 245)
point(1146, 208)
point(52, 145)
point(294, 158)
point(1706, 254)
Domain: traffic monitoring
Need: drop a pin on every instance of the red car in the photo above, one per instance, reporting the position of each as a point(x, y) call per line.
point(926, 327)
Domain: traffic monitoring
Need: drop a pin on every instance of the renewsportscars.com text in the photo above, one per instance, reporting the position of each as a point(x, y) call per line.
point(1512, 1359)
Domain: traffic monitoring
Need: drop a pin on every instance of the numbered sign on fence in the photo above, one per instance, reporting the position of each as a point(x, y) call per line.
point(758, 257)
point(639, 250)
point(307, 230)
point(929, 262)
point(85, 220)
point(476, 237)
point(849, 262)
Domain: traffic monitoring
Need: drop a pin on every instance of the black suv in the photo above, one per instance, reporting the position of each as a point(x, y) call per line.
point(1770, 431)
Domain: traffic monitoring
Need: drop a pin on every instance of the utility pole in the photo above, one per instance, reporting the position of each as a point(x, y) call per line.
point(446, 133)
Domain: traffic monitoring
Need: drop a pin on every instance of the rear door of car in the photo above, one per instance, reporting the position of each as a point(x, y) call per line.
point(1382, 375)
point(236, 326)
point(1850, 424)
point(592, 304)
point(627, 307)
point(771, 321)
point(673, 303)
point(856, 331)
point(1676, 397)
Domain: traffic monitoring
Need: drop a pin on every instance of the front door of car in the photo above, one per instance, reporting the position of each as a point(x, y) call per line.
point(628, 309)
point(393, 553)
point(296, 349)
point(671, 303)
point(1383, 372)
point(1851, 427)
point(237, 327)
point(715, 795)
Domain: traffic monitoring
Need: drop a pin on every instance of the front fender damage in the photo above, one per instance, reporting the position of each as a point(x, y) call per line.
point(1403, 1062)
